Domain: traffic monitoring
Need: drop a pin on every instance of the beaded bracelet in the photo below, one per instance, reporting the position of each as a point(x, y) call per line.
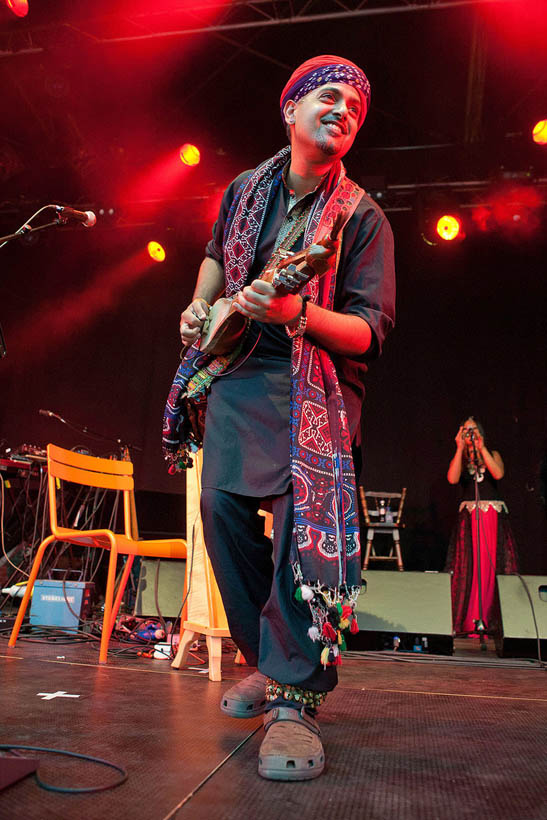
point(300, 328)
point(306, 697)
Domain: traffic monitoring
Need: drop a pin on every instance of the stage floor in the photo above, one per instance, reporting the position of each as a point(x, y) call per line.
point(405, 737)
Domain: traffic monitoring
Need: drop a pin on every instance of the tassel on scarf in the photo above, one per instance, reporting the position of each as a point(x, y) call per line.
point(332, 615)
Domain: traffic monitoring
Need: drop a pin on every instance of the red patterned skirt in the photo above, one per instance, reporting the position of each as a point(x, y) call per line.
point(490, 546)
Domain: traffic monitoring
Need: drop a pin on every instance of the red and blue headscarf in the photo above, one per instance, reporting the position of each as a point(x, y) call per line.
point(327, 68)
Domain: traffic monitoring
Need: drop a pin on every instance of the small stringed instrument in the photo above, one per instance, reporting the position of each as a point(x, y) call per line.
point(225, 326)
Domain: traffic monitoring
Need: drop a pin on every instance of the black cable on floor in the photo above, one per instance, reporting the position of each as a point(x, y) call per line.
point(52, 635)
point(50, 788)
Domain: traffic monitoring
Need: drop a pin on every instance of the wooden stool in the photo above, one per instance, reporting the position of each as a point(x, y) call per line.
point(205, 613)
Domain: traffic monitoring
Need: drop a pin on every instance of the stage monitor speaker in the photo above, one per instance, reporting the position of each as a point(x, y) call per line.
point(413, 607)
point(170, 585)
point(518, 636)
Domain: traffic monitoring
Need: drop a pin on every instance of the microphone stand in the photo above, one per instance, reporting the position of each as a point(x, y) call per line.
point(124, 447)
point(480, 626)
point(25, 230)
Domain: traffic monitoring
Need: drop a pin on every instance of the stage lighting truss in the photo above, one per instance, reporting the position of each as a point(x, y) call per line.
point(201, 17)
point(511, 205)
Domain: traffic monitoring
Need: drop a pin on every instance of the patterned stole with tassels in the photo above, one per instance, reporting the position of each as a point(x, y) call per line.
point(325, 550)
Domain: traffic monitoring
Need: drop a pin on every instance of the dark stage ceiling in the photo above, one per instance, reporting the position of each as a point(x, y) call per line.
point(95, 95)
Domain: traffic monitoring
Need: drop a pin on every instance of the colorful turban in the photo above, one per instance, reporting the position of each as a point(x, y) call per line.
point(326, 69)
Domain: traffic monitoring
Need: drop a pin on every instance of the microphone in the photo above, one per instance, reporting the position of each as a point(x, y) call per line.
point(87, 218)
point(51, 415)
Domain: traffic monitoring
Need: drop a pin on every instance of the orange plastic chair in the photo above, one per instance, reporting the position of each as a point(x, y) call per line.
point(65, 465)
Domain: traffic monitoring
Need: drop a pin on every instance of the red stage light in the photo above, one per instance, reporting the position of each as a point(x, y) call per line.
point(156, 251)
point(18, 7)
point(482, 217)
point(449, 227)
point(514, 210)
point(189, 154)
point(539, 133)
point(517, 209)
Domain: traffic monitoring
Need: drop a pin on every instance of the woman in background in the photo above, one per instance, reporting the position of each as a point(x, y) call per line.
point(478, 470)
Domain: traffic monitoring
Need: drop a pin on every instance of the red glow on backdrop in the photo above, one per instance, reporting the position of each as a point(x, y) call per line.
point(18, 7)
point(199, 11)
point(481, 216)
point(156, 251)
point(517, 208)
point(189, 154)
point(449, 227)
point(181, 14)
point(159, 180)
point(214, 200)
point(515, 211)
point(539, 133)
point(60, 318)
point(519, 25)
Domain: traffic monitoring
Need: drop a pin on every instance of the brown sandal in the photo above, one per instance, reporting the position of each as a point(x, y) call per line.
point(247, 698)
point(292, 748)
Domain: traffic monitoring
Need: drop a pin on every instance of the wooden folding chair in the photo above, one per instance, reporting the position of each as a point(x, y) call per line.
point(381, 517)
point(110, 474)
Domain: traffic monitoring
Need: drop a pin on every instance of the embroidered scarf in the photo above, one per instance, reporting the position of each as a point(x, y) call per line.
point(325, 549)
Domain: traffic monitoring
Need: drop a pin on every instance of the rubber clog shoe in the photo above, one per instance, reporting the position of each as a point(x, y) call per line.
point(292, 748)
point(247, 698)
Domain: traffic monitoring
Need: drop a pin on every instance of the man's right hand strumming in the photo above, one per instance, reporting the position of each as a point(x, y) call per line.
point(193, 319)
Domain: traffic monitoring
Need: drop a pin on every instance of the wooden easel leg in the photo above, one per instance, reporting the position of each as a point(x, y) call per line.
point(186, 641)
point(214, 648)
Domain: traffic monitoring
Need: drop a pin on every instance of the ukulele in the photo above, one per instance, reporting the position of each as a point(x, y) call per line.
point(225, 325)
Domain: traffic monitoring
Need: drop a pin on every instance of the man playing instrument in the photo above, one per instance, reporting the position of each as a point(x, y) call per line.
point(282, 414)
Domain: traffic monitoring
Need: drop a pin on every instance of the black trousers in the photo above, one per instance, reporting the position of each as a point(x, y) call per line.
point(266, 622)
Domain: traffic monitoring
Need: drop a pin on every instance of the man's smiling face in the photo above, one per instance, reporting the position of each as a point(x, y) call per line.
point(326, 120)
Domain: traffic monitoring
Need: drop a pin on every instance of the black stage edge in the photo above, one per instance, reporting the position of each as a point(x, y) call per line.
point(520, 647)
point(406, 737)
point(426, 643)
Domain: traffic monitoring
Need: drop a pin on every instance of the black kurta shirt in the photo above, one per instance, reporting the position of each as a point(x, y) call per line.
point(246, 443)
